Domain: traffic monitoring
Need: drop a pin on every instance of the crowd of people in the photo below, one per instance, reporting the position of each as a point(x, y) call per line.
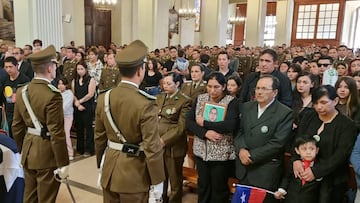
point(245, 107)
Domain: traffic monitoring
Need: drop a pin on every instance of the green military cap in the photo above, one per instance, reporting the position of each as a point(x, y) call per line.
point(132, 55)
point(43, 56)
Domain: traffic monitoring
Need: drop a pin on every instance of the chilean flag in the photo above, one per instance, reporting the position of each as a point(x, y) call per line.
point(248, 194)
point(11, 174)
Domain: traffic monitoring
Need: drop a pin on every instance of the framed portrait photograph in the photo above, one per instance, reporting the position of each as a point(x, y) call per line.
point(214, 112)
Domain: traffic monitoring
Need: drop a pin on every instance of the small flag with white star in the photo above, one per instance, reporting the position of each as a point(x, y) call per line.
point(248, 194)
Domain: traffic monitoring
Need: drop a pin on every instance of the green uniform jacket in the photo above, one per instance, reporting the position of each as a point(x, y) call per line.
point(69, 70)
point(110, 78)
point(136, 117)
point(188, 89)
point(36, 152)
point(172, 116)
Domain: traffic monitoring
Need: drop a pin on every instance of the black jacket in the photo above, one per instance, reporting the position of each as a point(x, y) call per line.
point(248, 88)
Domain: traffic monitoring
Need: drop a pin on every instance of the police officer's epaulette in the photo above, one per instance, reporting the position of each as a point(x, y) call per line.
point(184, 95)
point(104, 90)
point(21, 85)
point(188, 82)
point(147, 95)
point(53, 88)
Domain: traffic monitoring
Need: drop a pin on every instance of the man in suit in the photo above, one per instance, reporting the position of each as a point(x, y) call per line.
point(264, 130)
point(43, 143)
point(342, 55)
point(127, 177)
point(267, 62)
point(23, 65)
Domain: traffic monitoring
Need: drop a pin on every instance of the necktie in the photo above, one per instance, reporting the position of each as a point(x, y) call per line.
point(306, 165)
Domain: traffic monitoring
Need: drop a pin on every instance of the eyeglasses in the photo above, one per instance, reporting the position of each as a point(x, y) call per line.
point(263, 89)
point(324, 64)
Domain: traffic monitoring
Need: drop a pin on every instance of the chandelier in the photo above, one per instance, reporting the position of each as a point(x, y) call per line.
point(238, 19)
point(187, 12)
point(104, 4)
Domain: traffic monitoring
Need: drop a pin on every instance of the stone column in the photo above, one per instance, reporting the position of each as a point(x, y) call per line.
point(40, 19)
point(284, 17)
point(255, 23)
point(214, 22)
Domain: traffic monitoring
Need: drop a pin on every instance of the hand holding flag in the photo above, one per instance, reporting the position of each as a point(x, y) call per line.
point(249, 194)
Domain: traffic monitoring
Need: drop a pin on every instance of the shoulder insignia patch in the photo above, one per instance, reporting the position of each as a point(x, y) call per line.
point(188, 82)
point(147, 95)
point(53, 88)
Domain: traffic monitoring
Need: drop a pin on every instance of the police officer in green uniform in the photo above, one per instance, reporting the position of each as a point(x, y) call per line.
point(282, 55)
point(173, 106)
point(254, 63)
point(194, 58)
point(195, 86)
point(110, 75)
point(69, 67)
point(244, 63)
point(213, 62)
point(39, 130)
point(133, 158)
point(244, 66)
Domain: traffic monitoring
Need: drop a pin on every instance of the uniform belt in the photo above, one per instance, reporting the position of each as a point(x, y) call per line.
point(35, 131)
point(115, 145)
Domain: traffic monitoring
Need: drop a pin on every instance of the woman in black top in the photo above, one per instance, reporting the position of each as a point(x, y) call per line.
point(348, 99)
point(337, 135)
point(152, 78)
point(83, 87)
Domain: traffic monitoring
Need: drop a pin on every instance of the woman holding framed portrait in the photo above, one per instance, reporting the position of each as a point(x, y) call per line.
point(213, 120)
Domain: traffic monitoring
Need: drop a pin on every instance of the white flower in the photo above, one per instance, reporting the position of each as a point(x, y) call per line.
point(317, 138)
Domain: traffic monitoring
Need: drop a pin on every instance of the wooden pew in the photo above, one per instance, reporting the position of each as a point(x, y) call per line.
point(190, 174)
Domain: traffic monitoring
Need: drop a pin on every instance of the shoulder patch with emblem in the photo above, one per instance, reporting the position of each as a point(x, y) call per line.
point(147, 95)
point(53, 88)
